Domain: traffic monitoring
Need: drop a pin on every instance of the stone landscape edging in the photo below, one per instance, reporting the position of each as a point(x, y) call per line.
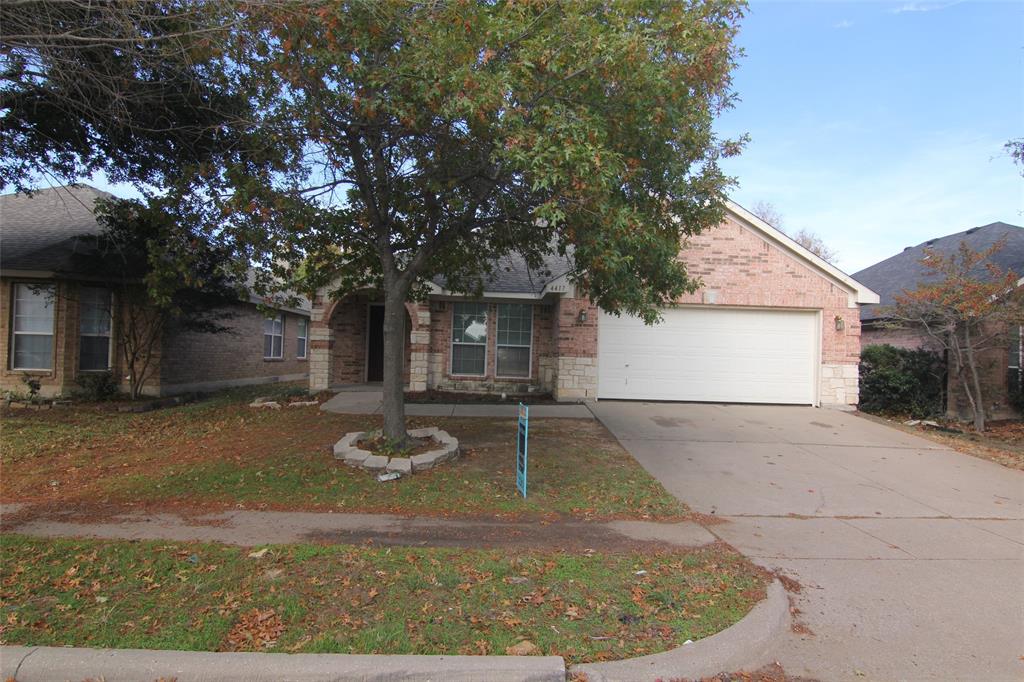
point(745, 645)
point(347, 450)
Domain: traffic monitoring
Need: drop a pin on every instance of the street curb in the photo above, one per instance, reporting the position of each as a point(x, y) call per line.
point(36, 664)
point(745, 645)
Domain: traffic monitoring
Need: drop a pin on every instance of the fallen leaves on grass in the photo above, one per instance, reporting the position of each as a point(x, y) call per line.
point(524, 648)
point(255, 630)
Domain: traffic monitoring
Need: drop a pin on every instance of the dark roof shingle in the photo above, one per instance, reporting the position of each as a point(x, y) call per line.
point(44, 230)
point(904, 271)
point(512, 276)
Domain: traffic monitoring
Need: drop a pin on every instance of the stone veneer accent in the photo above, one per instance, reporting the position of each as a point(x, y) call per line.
point(839, 386)
point(577, 379)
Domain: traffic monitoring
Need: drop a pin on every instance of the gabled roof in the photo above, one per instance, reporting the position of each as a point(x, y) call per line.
point(904, 271)
point(512, 278)
point(43, 231)
point(860, 289)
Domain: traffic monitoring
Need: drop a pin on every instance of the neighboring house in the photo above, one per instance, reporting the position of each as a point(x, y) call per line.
point(1001, 367)
point(773, 323)
point(56, 325)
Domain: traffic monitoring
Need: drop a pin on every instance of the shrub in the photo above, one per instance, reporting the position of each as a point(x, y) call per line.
point(901, 381)
point(97, 386)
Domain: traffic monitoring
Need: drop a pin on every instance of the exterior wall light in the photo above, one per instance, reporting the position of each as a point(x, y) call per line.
point(840, 324)
point(582, 316)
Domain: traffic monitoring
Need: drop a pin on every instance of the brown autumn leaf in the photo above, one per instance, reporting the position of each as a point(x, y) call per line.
point(524, 648)
point(255, 630)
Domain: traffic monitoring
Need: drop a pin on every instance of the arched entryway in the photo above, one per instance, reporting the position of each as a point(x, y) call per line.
point(348, 341)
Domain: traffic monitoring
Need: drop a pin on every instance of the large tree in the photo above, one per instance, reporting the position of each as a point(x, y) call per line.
point(404, 140)
point(965, 303)
point(135, 88)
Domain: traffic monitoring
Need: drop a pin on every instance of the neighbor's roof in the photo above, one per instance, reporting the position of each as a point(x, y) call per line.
point(511, 276)
point(904, 271)
point(42, 231)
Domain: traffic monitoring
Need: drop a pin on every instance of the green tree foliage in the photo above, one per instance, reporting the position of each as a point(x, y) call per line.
point(901, 382)
point(401, 141)
point(165, 277)
point(136, 89)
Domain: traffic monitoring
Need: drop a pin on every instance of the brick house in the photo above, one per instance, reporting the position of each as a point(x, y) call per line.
point(772, 323)
point(56, 325)
point(1001, 370)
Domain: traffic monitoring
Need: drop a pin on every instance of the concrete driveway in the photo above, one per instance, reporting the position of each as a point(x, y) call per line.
point(911, 555)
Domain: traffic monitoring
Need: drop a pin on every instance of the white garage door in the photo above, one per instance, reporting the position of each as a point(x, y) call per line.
point(710, 354)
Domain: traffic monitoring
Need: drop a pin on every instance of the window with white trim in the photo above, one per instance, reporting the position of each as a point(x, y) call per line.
point(302, 338)
point(94, 315)
point(515, 336)
point(1015, 361)
point(469, 339)
point(273, 337)
point(32, 342)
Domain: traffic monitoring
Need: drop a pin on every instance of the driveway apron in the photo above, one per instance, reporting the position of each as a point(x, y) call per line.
point(911, 555)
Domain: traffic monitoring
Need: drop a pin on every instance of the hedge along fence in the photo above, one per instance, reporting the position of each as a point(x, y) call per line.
point(900, 381)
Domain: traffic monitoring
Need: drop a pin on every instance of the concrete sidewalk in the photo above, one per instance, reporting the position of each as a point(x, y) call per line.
point(911, 555)
point(46, 664)
point(368, 399)
point(249, 528)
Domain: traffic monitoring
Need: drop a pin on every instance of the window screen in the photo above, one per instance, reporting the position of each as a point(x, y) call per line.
point(469, 338)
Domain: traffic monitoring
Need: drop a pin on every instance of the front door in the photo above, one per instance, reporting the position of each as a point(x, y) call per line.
point(375, 344)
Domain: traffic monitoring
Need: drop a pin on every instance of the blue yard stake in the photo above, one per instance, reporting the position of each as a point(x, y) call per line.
point(521, 448)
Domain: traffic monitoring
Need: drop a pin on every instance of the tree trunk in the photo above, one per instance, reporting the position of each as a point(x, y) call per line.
point(395, 295)
point(972, 365)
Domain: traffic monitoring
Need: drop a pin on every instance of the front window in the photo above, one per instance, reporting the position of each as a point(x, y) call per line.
point(515, 332)
point(302, 337)
point(469, 338)
point(94, 329)
point(273, 337)
point(32, 346)
point(1014, 371)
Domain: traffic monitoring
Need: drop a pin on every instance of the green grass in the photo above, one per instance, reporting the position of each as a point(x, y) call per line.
point(367, 600)
point(220, 453)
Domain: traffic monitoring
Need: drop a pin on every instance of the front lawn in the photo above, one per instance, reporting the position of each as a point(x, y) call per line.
point(305, 598)
point(222, 454)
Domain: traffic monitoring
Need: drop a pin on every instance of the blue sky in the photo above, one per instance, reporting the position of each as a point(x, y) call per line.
point(880, 125)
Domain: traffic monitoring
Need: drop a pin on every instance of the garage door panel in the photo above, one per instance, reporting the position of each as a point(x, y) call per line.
point(710, 354)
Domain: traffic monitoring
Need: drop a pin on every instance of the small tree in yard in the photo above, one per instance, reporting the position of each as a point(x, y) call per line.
point(163, 276)
point(965, 303)
point(402, 141)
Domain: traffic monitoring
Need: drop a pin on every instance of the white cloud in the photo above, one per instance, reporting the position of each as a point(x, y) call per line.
point(845, 23)
point(923, 6)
